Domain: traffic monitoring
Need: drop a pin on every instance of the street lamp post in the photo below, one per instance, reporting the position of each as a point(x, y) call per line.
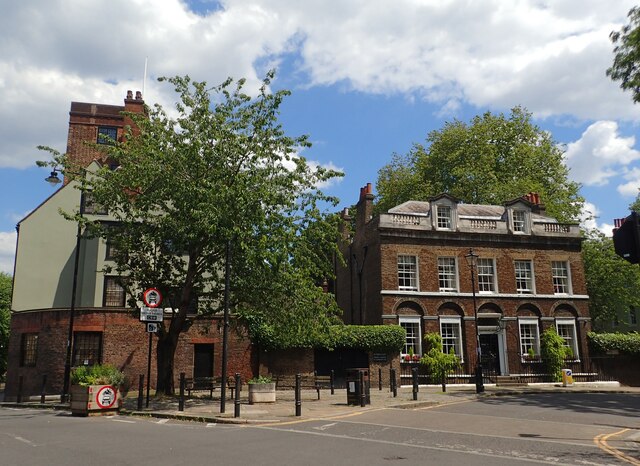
point(472, 260)
point(53, 180)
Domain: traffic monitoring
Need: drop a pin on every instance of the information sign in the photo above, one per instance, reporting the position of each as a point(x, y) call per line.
point(151, 314)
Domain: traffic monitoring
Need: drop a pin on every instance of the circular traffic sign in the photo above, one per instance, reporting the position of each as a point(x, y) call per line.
point(106, 397)
point(152, 297)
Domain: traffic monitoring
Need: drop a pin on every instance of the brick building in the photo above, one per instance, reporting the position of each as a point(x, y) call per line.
point(104, 330)
point(408, 267)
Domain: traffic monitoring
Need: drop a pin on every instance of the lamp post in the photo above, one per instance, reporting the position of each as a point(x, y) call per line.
point(53, 180)
point(472, 260)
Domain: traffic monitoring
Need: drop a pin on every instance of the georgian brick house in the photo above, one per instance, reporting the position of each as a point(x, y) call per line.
point(408, 267)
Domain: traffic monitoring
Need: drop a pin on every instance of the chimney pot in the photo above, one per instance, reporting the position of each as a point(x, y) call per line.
point(138, 95)
point(129, 95)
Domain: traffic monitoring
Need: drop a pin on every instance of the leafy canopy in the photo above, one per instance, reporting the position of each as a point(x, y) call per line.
point(5, 318)
point(553, 352)
point(221, 172)
point(626, 61)
point(438, 363)
point(492, 159)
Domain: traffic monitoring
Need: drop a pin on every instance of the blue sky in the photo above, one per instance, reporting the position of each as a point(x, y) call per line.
point(369, 78)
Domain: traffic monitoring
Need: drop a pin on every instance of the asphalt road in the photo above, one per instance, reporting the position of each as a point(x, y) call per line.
point(574, 429)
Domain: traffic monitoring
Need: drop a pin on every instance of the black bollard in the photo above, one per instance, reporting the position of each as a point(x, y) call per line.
point(363, 396)
point(42, 389)
point(414, 380)
point(236, 401)
point(140, 391)
point(298, 396)
point(380, 378)
point(331, 381)
point(394, 383)
point(181, 398)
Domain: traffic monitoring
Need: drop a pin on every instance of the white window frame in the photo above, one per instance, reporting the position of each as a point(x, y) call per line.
point(571, 324)
point(524, 352)
point(417, 345)
point(558, 278)
point(413, 282)
point(482, 268)
point(531, 279)
point(458, 344)
point(447, 220)
point(443, 271)
point(519, 221)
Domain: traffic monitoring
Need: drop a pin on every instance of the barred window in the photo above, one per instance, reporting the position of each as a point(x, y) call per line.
point(107, 135)
point(87, 348)
point(447, 274)
point(412, 328)
point(28, 349)
point(90, 206)
point(560, 273)
point(407, 273)
point(524, 277)
point(114, 295)
point(486, 276)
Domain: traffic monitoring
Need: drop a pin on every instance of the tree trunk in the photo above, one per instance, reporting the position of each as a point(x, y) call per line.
point(165, 353)
point(444, 382)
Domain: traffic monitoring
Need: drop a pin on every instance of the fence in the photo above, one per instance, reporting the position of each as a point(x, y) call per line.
point(586, 369)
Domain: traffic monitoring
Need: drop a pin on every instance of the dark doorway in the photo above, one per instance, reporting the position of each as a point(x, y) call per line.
point(339, 361)
point(490, 353)
point(203, 360)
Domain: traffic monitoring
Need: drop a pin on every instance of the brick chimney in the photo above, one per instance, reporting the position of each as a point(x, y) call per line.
point(538, 206)
point(132, 105)
point(345, 224)
point(364, 206)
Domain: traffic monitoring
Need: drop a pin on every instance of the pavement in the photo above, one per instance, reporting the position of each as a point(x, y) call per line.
point(205, 409)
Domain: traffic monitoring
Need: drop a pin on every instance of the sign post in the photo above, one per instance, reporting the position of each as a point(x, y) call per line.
point(153, 315)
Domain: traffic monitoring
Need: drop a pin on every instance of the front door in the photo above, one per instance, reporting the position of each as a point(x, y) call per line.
point(490, 350)
point(203, 360)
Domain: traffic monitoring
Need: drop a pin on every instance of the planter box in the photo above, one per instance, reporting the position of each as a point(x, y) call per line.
point(262, 393)
point(95, 400)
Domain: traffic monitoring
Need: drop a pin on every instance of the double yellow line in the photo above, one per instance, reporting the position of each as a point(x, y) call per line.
point(601, 442)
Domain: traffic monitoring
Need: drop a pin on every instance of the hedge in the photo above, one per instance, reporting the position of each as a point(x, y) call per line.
point(624, 343)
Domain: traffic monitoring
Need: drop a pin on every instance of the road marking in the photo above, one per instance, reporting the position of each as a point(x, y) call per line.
point(123, 420)
point(601, 442)
point(23, 440)
point(162, 421)
point(326, 426)
point(449, 403)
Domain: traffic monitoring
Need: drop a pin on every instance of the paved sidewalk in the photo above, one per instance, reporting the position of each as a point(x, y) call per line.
point(204, 409)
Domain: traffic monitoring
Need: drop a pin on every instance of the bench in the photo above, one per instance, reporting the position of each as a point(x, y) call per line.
point(307, 382)
point(208, 383)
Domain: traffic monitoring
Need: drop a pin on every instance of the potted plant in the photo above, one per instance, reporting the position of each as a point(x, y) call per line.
point(262, 390)
point(95, 390)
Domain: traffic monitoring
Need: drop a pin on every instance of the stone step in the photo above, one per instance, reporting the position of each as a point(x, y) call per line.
point(508, 381)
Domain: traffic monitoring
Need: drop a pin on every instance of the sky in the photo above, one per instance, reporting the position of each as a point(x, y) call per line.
point(369, 78)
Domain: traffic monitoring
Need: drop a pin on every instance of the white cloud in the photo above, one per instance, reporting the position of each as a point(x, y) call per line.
point(548, 56)
point(7, 251)
point(600, 154)
point(589, 219)
point(630, 188)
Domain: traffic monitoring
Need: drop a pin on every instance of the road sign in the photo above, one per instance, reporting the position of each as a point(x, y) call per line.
point(106, 396)
point(152, 327)
point(151, 314)
point(152, 297)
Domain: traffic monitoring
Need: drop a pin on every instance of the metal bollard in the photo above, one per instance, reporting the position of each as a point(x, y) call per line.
point(298, 396)
point(140, 391)
point(380, 378)
point(394, 383)
point(414, 379)
point(331, 381)
point(236, 401)
point(42, 389)
point(181, 398)
point(363, 396)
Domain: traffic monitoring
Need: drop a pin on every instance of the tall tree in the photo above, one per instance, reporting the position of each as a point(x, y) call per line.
point(626, 60)
point(492, 159)
point(613, 284)
point(222, 172)
point(5, 318)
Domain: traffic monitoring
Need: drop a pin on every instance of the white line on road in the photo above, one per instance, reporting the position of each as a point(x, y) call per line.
point(22, 439)
point(162, 421)
point(123, 420)
point(326, 426)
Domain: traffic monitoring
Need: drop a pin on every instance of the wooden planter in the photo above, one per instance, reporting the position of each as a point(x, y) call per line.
point(95, 400)
point(262, 393)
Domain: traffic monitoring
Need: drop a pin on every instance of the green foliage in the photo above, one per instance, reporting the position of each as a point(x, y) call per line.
point(5, 320)
point(260, 379)
point(613, 284)
point(387, 338)
point(624, 343)
point(437, 362)
point(553, 353)
point(492, 159)
point(223, 172)
point(626, 61)
point(99, 374)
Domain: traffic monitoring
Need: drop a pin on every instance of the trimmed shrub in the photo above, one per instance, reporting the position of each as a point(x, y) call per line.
point(623, 343)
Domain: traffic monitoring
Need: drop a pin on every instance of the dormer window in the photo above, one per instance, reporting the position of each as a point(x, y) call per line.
point(443, 213)
point(519, 221)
